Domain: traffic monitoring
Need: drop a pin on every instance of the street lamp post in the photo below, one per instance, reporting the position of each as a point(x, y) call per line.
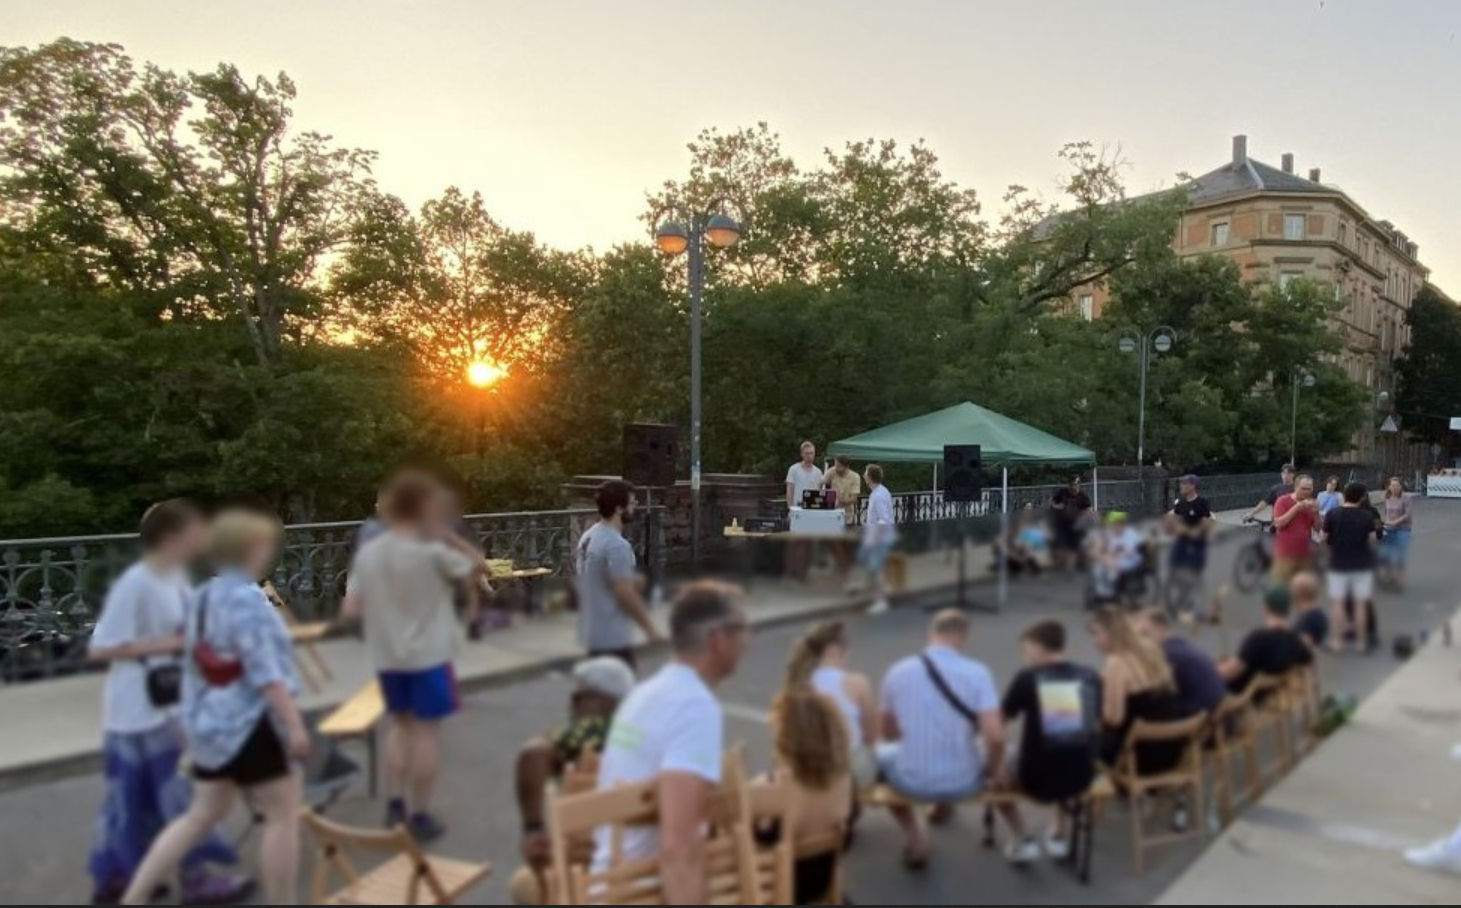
point(1160, 340)
point(684, 230)
point(1302, 378)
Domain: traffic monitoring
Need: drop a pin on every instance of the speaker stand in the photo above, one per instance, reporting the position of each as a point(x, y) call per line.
point(961, 587)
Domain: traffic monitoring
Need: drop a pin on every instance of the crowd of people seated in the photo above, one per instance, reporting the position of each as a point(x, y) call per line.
point(935, 735)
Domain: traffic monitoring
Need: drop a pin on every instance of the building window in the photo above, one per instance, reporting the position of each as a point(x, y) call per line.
point(1344, 234)
point(1295, 226)
point(1287, 278)
point(1220, 233)
point(1088, 307)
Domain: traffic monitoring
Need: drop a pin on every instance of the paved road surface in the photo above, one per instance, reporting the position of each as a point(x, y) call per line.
point(44, 829)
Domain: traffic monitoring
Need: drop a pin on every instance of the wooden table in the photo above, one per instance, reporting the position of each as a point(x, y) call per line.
point(785, 536)
point(530, 578)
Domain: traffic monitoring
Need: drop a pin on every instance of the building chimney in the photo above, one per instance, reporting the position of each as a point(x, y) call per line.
point(1314, 175)
point(1288, 163)
point(1240, 152)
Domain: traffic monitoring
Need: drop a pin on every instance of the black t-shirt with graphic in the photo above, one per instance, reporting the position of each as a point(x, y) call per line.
point(1061, 708)
point(1351, 532)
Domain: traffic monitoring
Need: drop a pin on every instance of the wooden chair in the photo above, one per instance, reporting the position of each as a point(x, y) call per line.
point(579, 778)
point(409, 876)
point(730, 852)
point(1185, 777)
point(1302, 694)
point(1269, 722)
point(1230, 742)
point(306, 636)
point(773, 804)
point(358, 718)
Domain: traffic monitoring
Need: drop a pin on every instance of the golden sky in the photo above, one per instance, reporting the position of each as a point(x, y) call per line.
point(563, 113)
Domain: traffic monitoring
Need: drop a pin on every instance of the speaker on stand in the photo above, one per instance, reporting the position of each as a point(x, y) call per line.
point(651, 456)
point(963, 484)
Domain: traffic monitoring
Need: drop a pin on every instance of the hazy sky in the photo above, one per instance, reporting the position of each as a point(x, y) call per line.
point(564, 112)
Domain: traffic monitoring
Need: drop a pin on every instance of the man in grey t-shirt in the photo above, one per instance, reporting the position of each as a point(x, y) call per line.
point(610, 591)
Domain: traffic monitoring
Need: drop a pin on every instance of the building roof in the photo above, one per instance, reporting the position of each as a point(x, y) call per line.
point(1250, 176)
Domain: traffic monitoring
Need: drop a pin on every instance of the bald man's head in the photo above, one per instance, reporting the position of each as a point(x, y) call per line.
point(1304, 590)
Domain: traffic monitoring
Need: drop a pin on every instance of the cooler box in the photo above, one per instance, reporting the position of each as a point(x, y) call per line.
point(818, 522)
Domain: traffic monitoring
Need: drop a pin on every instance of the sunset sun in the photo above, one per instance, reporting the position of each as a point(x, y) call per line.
point(485, 374)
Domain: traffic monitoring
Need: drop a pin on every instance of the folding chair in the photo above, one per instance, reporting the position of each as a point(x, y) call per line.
point(406, 877)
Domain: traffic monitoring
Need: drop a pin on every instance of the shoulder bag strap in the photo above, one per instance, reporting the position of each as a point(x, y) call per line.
point(942, 684)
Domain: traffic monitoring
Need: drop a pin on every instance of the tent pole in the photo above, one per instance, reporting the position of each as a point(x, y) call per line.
point(1096, 488)
point(1004, 530)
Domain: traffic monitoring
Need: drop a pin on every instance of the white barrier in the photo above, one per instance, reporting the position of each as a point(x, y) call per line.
point(1443, 486)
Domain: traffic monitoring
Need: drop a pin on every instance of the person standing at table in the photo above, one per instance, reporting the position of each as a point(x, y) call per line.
point(844, 480)
point(804, 476)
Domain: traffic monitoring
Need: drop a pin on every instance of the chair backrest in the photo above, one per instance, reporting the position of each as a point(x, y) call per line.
point(1229, 720)
point(729, 852)
point(1190, 733)
point(773, 805)
point(337, 842)
point(581, 776)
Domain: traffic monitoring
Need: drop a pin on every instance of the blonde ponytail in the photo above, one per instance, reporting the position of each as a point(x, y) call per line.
point(807, 652)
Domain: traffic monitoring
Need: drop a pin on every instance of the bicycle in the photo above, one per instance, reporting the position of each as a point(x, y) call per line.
point(1255, 560)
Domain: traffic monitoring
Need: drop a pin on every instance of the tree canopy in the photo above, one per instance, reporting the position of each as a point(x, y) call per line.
point(202, 296)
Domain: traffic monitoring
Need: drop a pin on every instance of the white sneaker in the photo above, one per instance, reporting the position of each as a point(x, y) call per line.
point(881, 607)
point(1026, 851)
point(1438, 858)
point(1057, 849)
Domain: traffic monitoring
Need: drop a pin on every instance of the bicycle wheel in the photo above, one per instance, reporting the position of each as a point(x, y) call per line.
point(1250, 569)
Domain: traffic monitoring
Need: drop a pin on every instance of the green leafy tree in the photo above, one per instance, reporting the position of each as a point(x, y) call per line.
point(195, 184)
point(1428, 391)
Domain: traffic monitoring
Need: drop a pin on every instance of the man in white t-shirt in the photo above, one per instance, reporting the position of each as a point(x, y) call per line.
point(879, 535)
point(937, 707)
point(672, 729)
point(140, 633)
point(804, 476)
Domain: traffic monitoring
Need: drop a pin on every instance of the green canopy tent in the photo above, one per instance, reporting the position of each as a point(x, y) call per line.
point(1003, 442)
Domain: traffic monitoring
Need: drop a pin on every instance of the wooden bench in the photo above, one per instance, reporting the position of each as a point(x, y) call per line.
point(1083, 815)
point(358, 718)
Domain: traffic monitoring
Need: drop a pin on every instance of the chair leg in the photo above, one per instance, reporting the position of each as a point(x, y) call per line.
point(321, 665)
point(1138, 833)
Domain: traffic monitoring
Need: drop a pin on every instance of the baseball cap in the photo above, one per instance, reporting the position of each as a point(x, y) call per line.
point(1193, 480)
point(1117, 517)
point(1279, 601)
point(605, 675)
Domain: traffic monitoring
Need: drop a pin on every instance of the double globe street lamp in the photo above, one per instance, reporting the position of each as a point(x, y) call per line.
point(1159, 340)
point(684, 230)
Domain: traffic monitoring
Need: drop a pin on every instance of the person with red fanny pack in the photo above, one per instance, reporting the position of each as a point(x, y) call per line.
point(403, 586)
point(245, 733)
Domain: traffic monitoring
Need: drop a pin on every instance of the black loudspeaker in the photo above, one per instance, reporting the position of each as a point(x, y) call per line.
point(650, 453)
point(963, 472)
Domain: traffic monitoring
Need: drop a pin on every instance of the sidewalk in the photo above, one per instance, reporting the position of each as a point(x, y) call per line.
point(1332, 833)
point(60, 718)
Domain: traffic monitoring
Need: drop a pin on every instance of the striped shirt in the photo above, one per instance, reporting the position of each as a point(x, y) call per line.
point(939, 749)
